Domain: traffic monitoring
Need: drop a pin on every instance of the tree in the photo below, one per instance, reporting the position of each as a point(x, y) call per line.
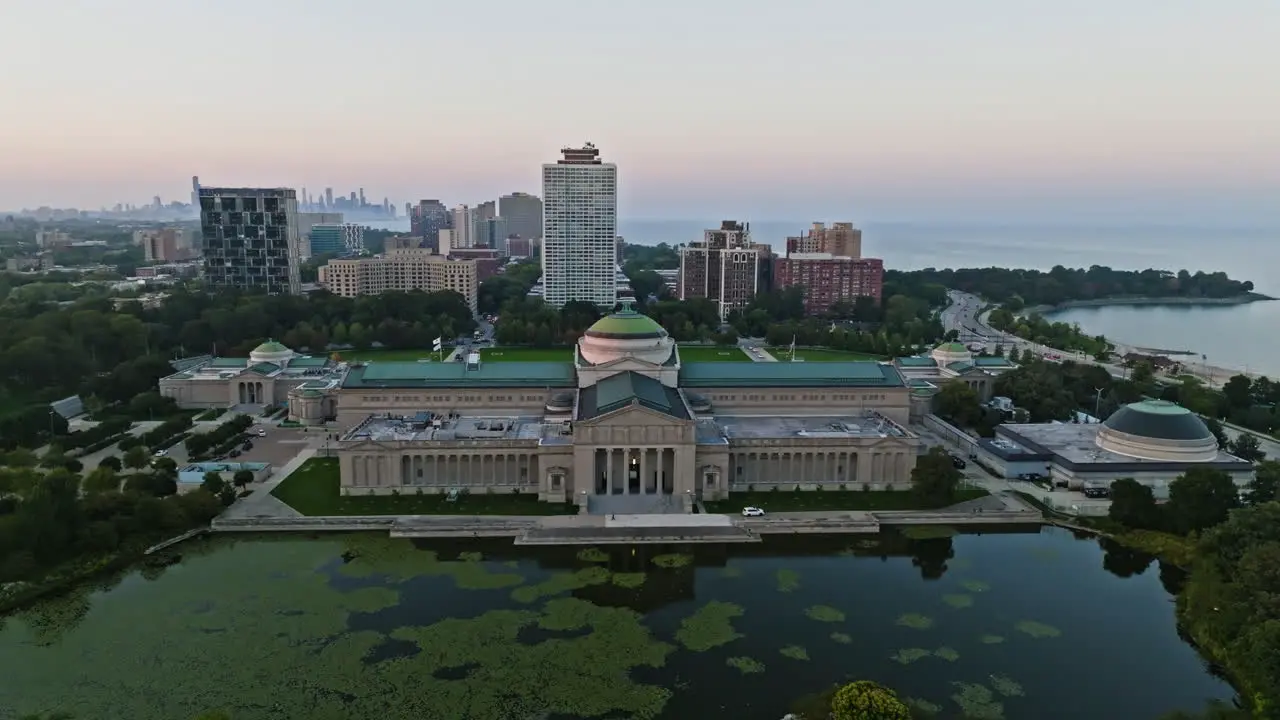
point(1200, 498)
point(54, 457)
point(242, 478)
point(1246, 447)
point(136, 457)
point(1142, 373)
point(1133, 504)
point(1265, 486)
point(935, 478)
point(1215, 427)
point(102, 479)
point(959, 403)
point(21, 457)
point(1015, 356)
point(1239, 391)
point(213, 483)
point(111, 461)
point(166, 466)
point(865, 700)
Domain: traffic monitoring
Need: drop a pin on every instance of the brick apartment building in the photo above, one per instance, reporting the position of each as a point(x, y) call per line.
point(726, 267)
point(828, 264)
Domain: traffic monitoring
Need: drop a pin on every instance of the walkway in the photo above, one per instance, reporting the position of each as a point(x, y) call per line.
point(262, 504)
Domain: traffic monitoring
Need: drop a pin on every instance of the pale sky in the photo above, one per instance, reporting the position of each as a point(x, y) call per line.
point(866, 109)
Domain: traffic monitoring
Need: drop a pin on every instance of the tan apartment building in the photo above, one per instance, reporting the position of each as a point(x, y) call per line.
point(842, 239)
point(401, 269)
point(166, 245)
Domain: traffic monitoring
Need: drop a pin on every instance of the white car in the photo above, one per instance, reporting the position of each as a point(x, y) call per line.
point(752, 512)
point(161, 453)
point(262, 433)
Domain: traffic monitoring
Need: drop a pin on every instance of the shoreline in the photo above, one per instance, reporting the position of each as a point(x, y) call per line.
point(1175, 300)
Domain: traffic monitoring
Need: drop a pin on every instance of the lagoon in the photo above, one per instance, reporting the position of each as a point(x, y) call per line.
point(1036, 623)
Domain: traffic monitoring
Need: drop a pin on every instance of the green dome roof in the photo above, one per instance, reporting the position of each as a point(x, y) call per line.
point(271, 347)
point(953, 347)
point(626, 324)
point(1158, 419)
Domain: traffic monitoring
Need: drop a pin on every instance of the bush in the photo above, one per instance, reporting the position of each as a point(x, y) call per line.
point(865, 700)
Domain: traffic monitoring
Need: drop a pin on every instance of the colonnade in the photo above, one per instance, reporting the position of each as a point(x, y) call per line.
point(250, 393)
point(444, 470)
point(841, 467)
point(634, 471)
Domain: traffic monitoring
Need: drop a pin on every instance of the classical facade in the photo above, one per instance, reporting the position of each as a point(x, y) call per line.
point(625, 424)
point(949, 362)
point(271, 375)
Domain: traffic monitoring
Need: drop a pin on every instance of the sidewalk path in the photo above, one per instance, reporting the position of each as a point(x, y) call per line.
point(262, 504)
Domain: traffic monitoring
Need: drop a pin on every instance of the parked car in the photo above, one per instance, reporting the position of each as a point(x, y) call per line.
point(752, 512)
point(958, 462)
point(262, 432)
point(1097, 492)
point(161, 452)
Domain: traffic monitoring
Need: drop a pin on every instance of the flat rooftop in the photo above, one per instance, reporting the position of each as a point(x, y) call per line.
point(1075, 443)
point(437, 427)
point(752, 427)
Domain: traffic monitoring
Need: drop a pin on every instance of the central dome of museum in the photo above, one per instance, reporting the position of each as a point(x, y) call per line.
point(271, 352)
point(1158, 430)
point(625, 333)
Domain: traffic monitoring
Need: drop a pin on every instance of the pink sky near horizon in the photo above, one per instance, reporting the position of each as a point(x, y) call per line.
point(703, 104)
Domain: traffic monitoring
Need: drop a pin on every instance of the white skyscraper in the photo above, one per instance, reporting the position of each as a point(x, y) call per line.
point(463, 235)
point(579, 227)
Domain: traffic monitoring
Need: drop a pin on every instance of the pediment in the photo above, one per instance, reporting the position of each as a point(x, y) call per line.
point(632, 415)
point(623, 364)
point(368, 446)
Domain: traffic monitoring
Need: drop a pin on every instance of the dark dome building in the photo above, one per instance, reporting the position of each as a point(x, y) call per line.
point(1152, 441)
point(1158, 430)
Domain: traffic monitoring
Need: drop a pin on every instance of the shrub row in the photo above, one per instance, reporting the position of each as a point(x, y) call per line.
point(233, 428)
point(105, 430)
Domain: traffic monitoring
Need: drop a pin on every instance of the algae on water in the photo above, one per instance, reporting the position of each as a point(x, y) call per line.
point(745, 665)
point(711, 626)
point(915, 621)
point(1006, 686)
point(788, 580)
point(824, 613)
point(795, 652)
point(958, 601)
point(593, 555)
point(1038, 629)
point(992, 639)
point(627, 580)
point(560, 583)
point(906, 656)
point(975, 586)
point(946, 653)
point(977, 702)
point(842, 638)
point(673, 560)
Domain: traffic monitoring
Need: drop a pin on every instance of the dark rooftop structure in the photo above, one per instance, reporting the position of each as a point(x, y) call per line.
point(431, 375)
point(627, 389)
point(790, 374)
point(1159, 419)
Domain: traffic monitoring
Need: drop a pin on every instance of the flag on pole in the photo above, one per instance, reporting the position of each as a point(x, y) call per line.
point(439, 343)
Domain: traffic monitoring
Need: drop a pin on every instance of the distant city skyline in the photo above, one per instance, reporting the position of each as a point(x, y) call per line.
point(994, 109)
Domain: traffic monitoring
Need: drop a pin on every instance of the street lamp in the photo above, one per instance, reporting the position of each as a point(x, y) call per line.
point(1097, 402)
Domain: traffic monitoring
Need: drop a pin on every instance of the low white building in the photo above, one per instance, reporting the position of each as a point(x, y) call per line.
point(1153, 442)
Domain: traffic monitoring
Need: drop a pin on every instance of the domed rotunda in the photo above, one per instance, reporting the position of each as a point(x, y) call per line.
point(271, 352)
point(1158, 430)
point(626, 334)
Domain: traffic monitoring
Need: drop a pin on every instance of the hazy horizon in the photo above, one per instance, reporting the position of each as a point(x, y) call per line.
point(994, 110)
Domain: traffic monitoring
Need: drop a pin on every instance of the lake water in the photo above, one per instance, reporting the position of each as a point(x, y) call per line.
point(1027, 625)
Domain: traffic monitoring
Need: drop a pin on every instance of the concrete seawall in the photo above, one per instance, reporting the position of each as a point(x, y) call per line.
point(633, 529)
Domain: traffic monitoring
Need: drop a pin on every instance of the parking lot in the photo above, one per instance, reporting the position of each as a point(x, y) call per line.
point(280, 445)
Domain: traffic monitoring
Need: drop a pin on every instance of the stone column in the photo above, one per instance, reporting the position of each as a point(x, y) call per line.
point(608, 468)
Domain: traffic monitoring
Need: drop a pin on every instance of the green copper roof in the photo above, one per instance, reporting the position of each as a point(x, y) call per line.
point(264, 368)
point(953, 347)
point(992, 361)
point(917, 361)
point(789, 374)
point(458, 375)
point(618, 391)
point(626, 323)
point(271, 346)
point(960, 367)
point(1159, 407)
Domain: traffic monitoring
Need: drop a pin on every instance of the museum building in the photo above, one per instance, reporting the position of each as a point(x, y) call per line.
point(625, 420)
point(1152, 441)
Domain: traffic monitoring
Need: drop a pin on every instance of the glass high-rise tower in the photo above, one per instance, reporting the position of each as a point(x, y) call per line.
point(249, 238)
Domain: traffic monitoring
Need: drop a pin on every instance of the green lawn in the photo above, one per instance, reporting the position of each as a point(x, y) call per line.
point(526, 354)
point(807, 500)
point(820, 355)
point(393, 355)
point(313, 490)
point(711, 353)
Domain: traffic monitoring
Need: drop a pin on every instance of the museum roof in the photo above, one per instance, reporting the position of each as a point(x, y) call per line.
point(753, 427)
point(1158, 419)
point(1075, 447)
point(626, 323)
point(426, 426)
point(984, 361)
point(952, 347)
point(789, 374)
point(626, 389)
point(271, 347)
point(461, 375)
point(917, 361)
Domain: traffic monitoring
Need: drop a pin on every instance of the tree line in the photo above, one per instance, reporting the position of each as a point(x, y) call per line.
point(1017, 288)
point(111, 355)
